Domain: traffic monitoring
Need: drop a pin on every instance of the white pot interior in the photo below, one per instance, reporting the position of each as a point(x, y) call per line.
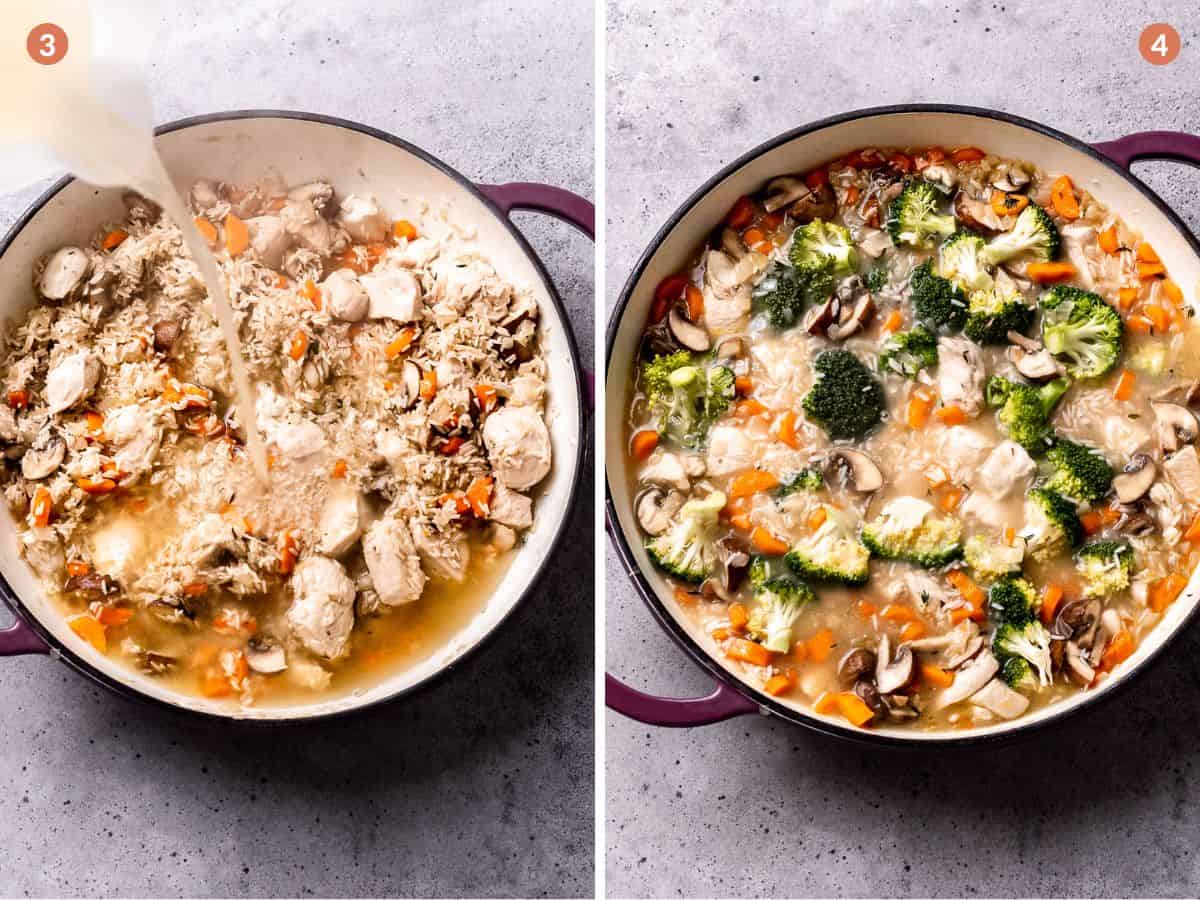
point(806, 152)
point(405, 184)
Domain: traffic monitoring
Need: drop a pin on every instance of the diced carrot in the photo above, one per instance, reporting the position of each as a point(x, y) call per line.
point(816, 178)
point(1172, 292)
point(747, 484)
point(967, 154)
point(950, 498)
point(311, 293)
point(1051, 597)
point(479, 495)
point(961, 614)
point(748, 409)
point(718, 634)
point(401, 343)
point(1123, 390)
point(339, 469)
point(18, 399)
point(112, 616)
point(852, 195)
point(1139, 325)
point(738, 617)
point(113, 239)
point(1147, 253)
point(1108, 240)
point(748, 652)
point(854, 709)
point(90, 630)
point(785, 430)
point(743, 385)
point(298, 346)
point(740, 214)
point(920, 404)
point(1119, 649)
point(1091, 522)
point(800, 651)
point(235, 621)
point(893, 322)
point(214, 685)
point(196, 588)
point(207, 229)
point(95, 422)
point(952, 414)
point(1062, 198)
point(898, 612)
point(459, 499)
point(771, 221)
point(287, 552)
point(740, 521)
point(765, 542)
point(1110, 515)
point(237, 237)
point(826, 704)
point(428, 384)
point(1010, 536)
point(451, 445)
point(752, 237)
point(1158, 316)
point(41, 508)
point(642, 444)
point(866, 608)
point(912, 631)
point(96, 485)
point(695, 302)
point(486, 396)
point(684, 596)
point(1166, 591)
point(282, 281)
point(868, 158)
point(928, 157)
point(821, 645)
point(817, 518)
point(77, 567)
point(1193, 532)
point(1148, 270)
point(901, 162)
point(779, 684)
point(936, 676)
point(402, 229)
point(1007, 204)
point(1050, 272)
point(967, 589)
point(935, 476)
point(1127, 296)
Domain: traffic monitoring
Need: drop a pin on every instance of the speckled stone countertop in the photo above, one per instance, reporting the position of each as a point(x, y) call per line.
point(1104, 805)
point(479, 786)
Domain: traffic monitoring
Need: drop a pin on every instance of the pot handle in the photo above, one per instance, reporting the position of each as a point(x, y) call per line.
point(1176, 145)
point(675, 712)
point(18, 638)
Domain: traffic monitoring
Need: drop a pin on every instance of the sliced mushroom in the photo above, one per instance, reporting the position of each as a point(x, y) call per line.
point(857, 469)
point(856, 664)
point(44, 456)
point(868, 693)
point(784, 190)
point(852, 320)
point(818, 319)
point(1039, 365)
point(92, 586)
point(1010, 179)
point(1072, 619)
point(817, 204)
point(731, 242)
point(1136, 478)
point(1077, 668)
point(656, 508)
point(64, 273)
point(1134, 521)
point(972, 647)
point(1175, 425)
point(265, 658)
point(153, 663)
point(976, 214)
point(1000, 699)
point(891, 674)
point(166, 333)
point(1088, 634)
point(732, 564)
point(693, 337)
point(410, 384)
point(970, 678)
point(730, 348)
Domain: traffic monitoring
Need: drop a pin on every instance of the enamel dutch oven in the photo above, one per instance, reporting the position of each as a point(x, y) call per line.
point(241, 146)
point(1102, 168)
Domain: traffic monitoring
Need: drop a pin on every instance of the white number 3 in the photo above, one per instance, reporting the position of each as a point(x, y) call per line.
point(1159, 46)
point(48, 46)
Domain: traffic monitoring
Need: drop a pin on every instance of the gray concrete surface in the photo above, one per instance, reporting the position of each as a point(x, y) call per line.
point(480, 786)
point(1103, 806)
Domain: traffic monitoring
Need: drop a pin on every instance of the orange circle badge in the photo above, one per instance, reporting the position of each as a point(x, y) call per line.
point(46, 44)
point(1159, 44)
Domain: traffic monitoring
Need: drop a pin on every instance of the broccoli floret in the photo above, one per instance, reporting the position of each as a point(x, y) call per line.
point(817, 242)
point(831, 553)
point(1034, 233)
point(761, 569)
point(1079, 471)
point(876, 279)
point(1018, 674)
point(784, 291)
point(993, 313)
point(846, 400)
point(780, 601)
point(906, 530)
point(687, 550)
point(805, 480)
point(686, 398)
point(959, 260)
point(990, 559)
point(1029, 641)
point(908, 352)
point(1025, 410)
point(1012, 600)
point(1082, 328)
point(1052, 524)
point(936, 301)
point(1105, 567)
point(913, 217)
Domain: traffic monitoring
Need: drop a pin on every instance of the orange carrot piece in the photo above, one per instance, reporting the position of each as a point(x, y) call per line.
point(893, 322)
point(1127, 296)
point(898, 612)
point(114, 616)
point(748, 409)
point(77, 567)
point(821, 645)
point(740, 521)
point(1147, 253)
point(196, 588)
point(765, 542)
point(1148, 270)
point(1166, 591)
point(800, 651)
point(1062, 198)
point(740, 214)
point(288, 552)
point(747, 484)
point(779, 684)
point(1123, 389)
point(967, 154)
point(854, 709)
point(1091, 522)
point(743, 385)
point(738, 617)
point(41, 508)
point(1010, 536)
point(684, 596)
point(1050, 272)
point(1007, 204)
point(90, 630)
point(817, 518)
point(486, 396)
point(479, 495)
point(1192, 534)
point(1108, 240)
point(936, 675)
point(920, 404)
point(1051, 597)
point(113, 239)
point(311, 293)
point(404, 229)
point(1158, 316)
point(428, 384)
point(866, 608)
point(339, 469)
point(96, 485)
point(237, 237)
point(950, 498)
point(642, 444)
point(752, 237)
point(695, 302)
point(18, 399)
point(1139, 325)
point(913, 631)
point(826, 704)
point(401, 343)
point(1172, 292)
point(298, 346)
point(785, 430)
point(1119, 649)
point(967, 589)
point(207, 229)
point(748, 652)
point(953, 414)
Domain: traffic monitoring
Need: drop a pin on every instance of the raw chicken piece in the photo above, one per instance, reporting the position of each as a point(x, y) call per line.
point(392, 294)
point(511, 508)
point(342, 517)
point(71, 380)
point(363, 219)
point(518, 445)
point(960, 374)
point(443, 555)
point(393, 562)
point(344, 295)
point(322, 611)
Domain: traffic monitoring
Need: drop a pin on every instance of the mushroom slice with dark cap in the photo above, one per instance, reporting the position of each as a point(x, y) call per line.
point(689, 335)
point(893, 673)
point(1175, 425)
point(852, 320)
point(656, 509)
point(857, 470)
point(1136, 478)
point(858, 663)
point(784, 191)
point(732, 563)
point(265, 657)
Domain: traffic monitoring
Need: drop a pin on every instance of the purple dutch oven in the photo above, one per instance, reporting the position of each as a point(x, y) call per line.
point(1103, 168)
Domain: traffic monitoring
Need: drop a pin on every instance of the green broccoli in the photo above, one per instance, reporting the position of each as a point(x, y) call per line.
point(1025, 410)
point(687, 550)
point(1018, 674)
point(992, 314)
point(780, 601)
point(1079, 471)
point(809, 479)
point(906, 530)
point(784, 291)
point(1033, 233)
point(1029, 641)
point(1013, 600)
point(990, 559)
point(846, 400)
point(908, 352)
point(936, 301)
point(817, 241)
point(959, 260)
point(876, 279)
point(913, 218)
point(761, 569)
point(685, 398)
point(1105, 567)
point(1149, 357)
point(1081, 327)
point(831, 553)
point(1052, 525)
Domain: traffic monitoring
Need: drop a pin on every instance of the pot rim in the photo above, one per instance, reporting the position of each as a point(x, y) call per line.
point(641, 583)
point(81, 665)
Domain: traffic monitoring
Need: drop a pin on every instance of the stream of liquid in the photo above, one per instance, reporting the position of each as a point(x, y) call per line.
point(83, 110)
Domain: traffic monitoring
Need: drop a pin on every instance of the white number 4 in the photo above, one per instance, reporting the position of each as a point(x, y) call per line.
point(48, 46)
point(1159, 46)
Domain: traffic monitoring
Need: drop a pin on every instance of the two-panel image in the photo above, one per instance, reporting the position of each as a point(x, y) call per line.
point(374, 378)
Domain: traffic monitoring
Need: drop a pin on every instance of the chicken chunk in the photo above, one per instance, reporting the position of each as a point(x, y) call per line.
point(135, 436)
point(116, 549)
point(342, 518)
point(210, 536)
point(322, 611)
point(71, 380)
point(729, 450)
point(960, 374)
point(963, 450)
point(442, 555)
point(393, 562)
point(726, 294)
point(1007, 468)
point(344, 295)
point(518, 445)
point(297, 440)
point(511, 508)
point(392, 294)
point(363, 219)
point(1183, 468)
point(269, 239)
point(64, 273)
point(666, 468)
point(1125, 436)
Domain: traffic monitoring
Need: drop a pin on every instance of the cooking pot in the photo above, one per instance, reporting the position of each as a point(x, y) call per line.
point(1103, 169)
point(239, 147)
